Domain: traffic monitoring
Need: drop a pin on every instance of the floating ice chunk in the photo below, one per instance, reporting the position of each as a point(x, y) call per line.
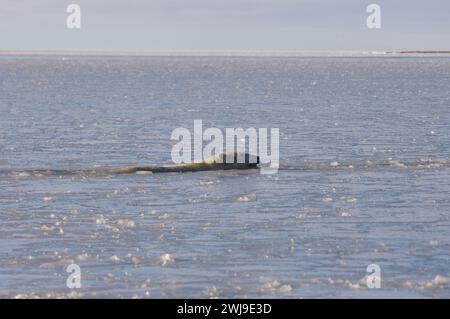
point(82, 256)
point(270, 285)
point(408, 285)
point(345, 213)
point(46, 228)
point(166, 259)
point(145, 284)
point(100, 220)
point(433, 243)
point(436, 282)
point(114, 258)
point(334, 164)
point(362, 283)
point(397, 163)
point(136, 261)
point(211, 292)
point(244, 199)
point(59, 262)
point(127, 223)
point(285, 288)
point(305, 213)
point(163, 216)
point(23, 174)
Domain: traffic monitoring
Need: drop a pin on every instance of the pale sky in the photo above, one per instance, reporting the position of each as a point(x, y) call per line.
point(310, 25)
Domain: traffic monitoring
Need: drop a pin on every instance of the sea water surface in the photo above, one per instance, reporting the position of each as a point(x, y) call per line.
point(365, 151)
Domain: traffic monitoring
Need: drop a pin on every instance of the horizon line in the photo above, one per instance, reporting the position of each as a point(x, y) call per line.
point(221, 53)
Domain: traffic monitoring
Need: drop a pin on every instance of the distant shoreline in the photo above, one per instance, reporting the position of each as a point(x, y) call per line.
point(224, 53)
point(420, 52)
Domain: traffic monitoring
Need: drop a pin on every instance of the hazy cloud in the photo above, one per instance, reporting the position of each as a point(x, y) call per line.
point(225, 24)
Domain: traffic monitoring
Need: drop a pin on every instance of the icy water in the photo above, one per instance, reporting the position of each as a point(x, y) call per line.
point(365, 145)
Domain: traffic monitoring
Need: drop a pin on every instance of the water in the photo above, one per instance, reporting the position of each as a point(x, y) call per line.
point(364, 145)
